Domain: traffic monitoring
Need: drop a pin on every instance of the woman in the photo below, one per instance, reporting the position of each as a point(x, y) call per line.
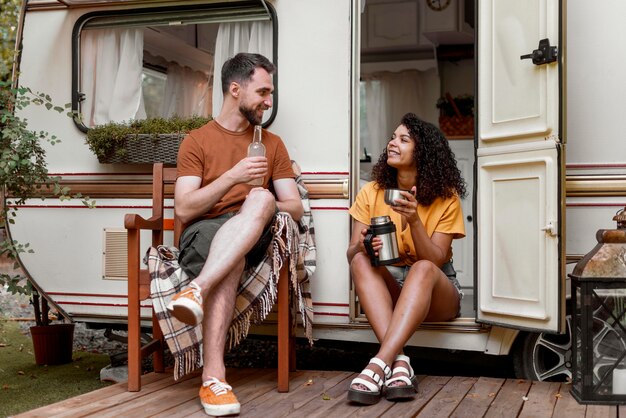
point(423, 286)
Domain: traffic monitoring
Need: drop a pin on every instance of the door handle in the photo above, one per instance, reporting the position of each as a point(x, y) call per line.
point(544, 54)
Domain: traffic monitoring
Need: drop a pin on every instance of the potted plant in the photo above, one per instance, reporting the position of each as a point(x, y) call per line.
point(24, 175)
point(456, 115)
point(141, 141)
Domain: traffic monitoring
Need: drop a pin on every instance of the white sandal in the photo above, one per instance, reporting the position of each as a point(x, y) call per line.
point(374, 392)
point(409, 388)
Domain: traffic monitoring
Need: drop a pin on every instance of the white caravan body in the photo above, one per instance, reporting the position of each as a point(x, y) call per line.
point(545, 168)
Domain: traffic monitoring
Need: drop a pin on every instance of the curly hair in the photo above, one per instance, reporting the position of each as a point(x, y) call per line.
point(437, 171)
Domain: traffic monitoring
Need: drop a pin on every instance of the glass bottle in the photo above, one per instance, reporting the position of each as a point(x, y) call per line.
point(256, 149)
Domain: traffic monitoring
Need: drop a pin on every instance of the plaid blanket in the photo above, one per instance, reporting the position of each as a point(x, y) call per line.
point(293, 243)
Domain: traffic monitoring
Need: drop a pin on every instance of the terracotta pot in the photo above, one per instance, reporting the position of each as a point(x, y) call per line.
point(52, 344)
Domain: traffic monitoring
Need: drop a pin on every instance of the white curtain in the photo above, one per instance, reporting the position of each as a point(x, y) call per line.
point(112, 62)
point(233, 38)
point(389, 96)
point(186, 92)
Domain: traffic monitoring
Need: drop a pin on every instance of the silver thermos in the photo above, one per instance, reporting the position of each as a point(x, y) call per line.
point(383, 228)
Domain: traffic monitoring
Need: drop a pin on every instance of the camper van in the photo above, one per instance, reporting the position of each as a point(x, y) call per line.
point(544, 164)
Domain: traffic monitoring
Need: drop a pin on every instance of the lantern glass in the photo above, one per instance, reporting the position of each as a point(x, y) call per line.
point(599, 341)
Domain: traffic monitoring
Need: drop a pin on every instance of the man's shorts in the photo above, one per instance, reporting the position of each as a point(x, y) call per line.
point(196, 239)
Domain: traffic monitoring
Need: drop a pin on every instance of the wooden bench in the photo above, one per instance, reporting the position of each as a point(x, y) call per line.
point(139, 288)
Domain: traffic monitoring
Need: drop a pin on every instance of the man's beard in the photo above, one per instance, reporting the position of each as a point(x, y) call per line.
point(251, 115)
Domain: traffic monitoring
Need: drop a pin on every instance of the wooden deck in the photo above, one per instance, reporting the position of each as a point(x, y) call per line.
point(323, 394)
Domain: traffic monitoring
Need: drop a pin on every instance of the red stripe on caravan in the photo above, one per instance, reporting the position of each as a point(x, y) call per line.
point(599, 205)
point(103, 295)
point(319, 173)
point(116, 305)
point(328, 208)
point(101, 174)
point(608, 165)
point(322, 173)
point(135, 207)
point(329, 314)
point(78, 207)
point(97, 295)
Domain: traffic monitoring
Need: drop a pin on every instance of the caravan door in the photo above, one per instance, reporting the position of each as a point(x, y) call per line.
point(520, 157)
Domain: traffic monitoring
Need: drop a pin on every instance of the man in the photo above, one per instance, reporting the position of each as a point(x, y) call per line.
point(228, 220)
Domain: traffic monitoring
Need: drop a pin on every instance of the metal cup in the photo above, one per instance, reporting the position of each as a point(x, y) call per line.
point(392, 194)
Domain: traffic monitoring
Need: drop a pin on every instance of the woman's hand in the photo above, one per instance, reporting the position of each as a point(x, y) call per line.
point(359, 231)
point(407, 207)
point(376, 243)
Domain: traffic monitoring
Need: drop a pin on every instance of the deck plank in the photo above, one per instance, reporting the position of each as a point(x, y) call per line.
point(107, 397)
point(566, 405)
point(88, 398)
point(509, 400)
point(448, 398)
point(113, 402)
point(330, 400)
point(324, 393)
point(601, 411)
point(479, 398)
point(541, 400)
point(303, 390)
point(428, 387)
point(168, 398)
point(245, 385)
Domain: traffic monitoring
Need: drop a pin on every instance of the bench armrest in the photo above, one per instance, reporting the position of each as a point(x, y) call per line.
point(134, 221)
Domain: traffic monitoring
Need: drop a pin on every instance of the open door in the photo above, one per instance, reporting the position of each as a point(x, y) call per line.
point(520, 159)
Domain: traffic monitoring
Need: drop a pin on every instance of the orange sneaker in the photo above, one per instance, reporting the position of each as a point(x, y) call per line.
point(218, 399)
point(186, 305)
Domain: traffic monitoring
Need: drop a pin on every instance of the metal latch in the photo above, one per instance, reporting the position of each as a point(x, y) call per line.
point(544, 54)
point(550, 229)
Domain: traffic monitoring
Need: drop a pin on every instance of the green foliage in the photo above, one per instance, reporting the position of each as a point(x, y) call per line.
point(8, 30)
point(25, 386)
point(23, 168)
point(109, 139)
point(465, 104)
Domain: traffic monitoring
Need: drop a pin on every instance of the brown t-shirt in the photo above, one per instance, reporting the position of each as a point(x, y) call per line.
point(210, 151)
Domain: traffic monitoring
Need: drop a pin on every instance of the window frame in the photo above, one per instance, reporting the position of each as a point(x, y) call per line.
point(78, 97)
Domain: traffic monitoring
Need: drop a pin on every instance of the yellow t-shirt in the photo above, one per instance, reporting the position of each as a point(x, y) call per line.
point(443, 215)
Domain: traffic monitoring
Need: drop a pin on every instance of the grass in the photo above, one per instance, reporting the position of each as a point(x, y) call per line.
point(25, 385)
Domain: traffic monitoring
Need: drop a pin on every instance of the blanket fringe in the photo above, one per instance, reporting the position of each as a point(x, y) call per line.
point(187, 361)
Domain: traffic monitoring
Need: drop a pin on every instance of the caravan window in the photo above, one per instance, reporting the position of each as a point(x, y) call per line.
point(137, 64)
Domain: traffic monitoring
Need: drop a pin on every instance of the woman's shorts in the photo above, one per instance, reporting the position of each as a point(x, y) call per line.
point(196, 239)
point(399, 273)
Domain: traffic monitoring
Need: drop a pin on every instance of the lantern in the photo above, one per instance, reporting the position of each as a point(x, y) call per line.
point(598, 303)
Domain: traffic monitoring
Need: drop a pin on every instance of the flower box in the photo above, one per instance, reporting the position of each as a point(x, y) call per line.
point(145, 149)
point(144, 141)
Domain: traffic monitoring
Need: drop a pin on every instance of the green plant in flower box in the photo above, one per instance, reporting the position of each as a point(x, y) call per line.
point(112, 142)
